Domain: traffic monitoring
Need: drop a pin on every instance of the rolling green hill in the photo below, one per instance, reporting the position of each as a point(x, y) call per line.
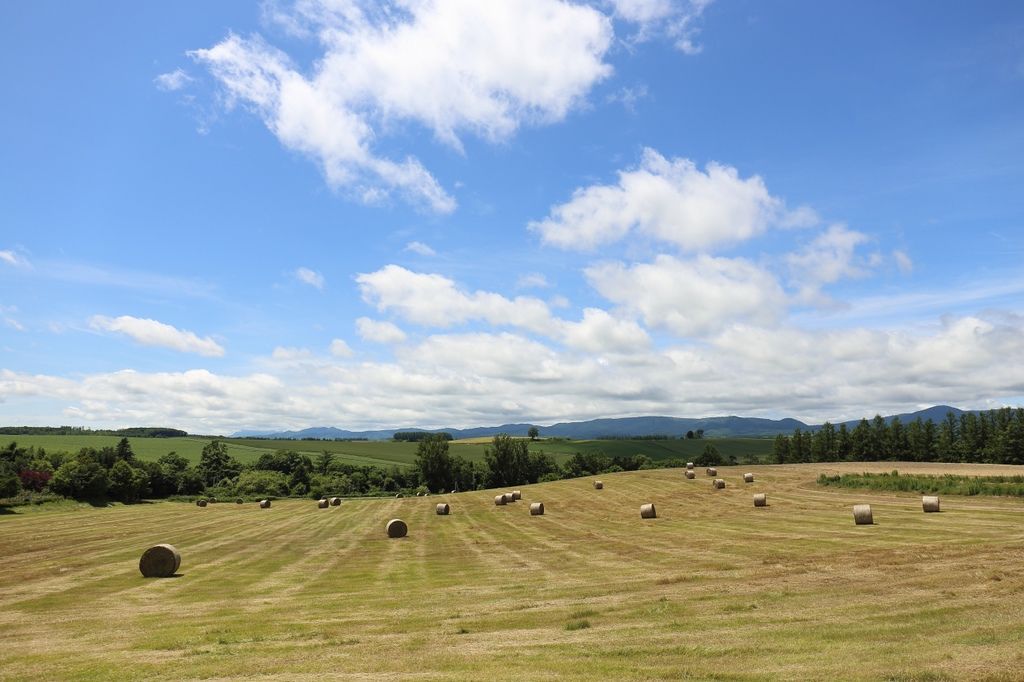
point(389, 453)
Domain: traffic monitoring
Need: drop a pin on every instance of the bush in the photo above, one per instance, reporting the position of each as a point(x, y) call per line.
point(254, 483)
point(82, 480)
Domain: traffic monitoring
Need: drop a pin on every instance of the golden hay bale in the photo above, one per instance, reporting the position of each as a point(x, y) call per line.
point(537, 509)
point(748, 478)
point(517, 495)
point(443, 509)
point(760, 500)
point(862, 515)
point(508, 498)
point(335, 501)
point(711, 471)
point(159, 561)
point(930, 503)
point(689, 465)
point(200, 503)
point(397, 528)
point(598, 485)
point(322, 504)
point(719, 483)
point(264, 504)
point(647, 511)
point(691, 474)
point(500, 500)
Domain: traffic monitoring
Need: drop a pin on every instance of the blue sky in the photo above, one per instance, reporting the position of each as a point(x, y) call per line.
point(222, 216)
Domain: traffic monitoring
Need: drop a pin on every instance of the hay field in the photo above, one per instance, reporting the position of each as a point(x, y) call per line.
point(711, 589)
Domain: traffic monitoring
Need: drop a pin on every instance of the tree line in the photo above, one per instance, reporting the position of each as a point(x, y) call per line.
point(994, 437)
point(30, 474)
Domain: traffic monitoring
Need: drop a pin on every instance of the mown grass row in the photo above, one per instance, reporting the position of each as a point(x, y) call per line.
point(946, 484)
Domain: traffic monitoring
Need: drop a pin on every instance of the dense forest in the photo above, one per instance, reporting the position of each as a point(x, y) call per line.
point(994, 437)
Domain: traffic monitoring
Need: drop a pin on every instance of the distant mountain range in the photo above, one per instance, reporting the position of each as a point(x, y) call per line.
point(713, 427)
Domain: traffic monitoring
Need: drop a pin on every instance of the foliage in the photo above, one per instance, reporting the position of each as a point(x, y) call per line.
point(533, 433)
point(215, 464)
point(434, 463)
point(417, 436)
point(257, 482)
point(946, 484)
point(993, 437)
point(82, 478)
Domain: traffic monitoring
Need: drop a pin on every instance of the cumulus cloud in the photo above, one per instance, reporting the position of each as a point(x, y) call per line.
point(340, 349)
point(435, 300)
point(13, 258)
point(172, 80)
point(829, 257)
point(670, 201)
point(310, 277)
point(676, 19)
point(691, 297)
point(453, 66)
point(486, 378)
point(153, 333)
point(420, 248)
point(379, 331)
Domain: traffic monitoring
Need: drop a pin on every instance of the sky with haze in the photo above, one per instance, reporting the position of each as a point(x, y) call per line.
point(219, 216)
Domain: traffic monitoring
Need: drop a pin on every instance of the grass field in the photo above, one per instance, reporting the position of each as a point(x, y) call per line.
point(711, 589)
point(389, 453)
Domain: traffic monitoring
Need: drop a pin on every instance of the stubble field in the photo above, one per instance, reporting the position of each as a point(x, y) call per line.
point(711, 589)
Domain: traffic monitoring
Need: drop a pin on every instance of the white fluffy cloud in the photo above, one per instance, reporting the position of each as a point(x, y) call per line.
point(670, 201)
point(434, 300)
point(153, 333)
point(453, 66)
point(484, 378)
point(310, 277)
point(340, 349)
point(691, 297)
point(379, 331)
point(828, 258)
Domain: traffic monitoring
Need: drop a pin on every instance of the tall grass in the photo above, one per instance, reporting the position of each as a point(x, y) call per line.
point(946, 484)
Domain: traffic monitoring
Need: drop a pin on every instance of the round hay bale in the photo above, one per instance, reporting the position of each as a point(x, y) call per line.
point(335, 501)
point(508, 498)
point(454, 491)
point(517, 495)
point(647, 511)
point(322, 504)
point(397, 495)
point(537, 509)
point(691, 474)
point(930, 503)
point(159, 561)
point(719, 483)
point(689, 465)
point(200, 503)
point(862, 515)
point(397, 528)
point(239, 501)
point(499, 500)
point(264, 504)
point(598, 485)
point(760, 500)
point(443, 509)
point(711, 471)
point(748, 478)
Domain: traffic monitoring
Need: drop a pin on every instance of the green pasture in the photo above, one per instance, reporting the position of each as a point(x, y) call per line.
point(390, 453)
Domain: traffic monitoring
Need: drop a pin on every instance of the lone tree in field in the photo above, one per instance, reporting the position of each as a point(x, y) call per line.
point(215, 464)
point(434, 463)
point(508, 461)
point(533, 433)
